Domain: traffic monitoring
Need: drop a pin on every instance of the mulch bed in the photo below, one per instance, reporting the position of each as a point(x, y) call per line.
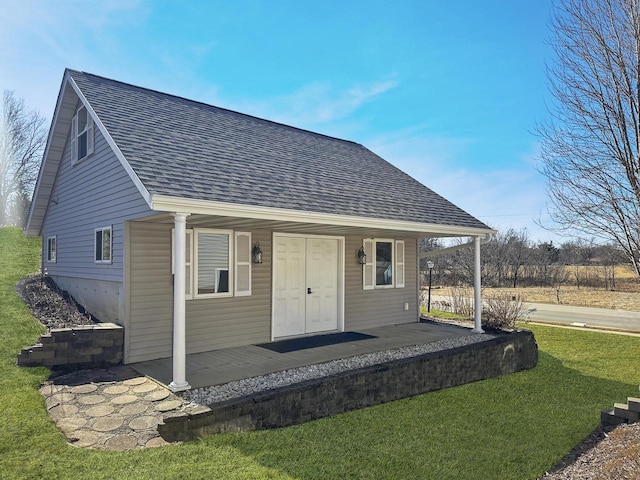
point(52, 307)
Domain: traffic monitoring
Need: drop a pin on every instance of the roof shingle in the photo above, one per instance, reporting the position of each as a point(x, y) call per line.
point(182, 148)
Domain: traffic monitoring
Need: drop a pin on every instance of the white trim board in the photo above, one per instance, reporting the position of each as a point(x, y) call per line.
point(204, 207)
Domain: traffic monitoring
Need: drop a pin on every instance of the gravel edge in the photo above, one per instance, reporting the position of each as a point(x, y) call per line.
point(271, 381)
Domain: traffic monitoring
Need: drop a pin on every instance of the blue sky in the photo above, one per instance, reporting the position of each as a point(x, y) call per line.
point(447, 91)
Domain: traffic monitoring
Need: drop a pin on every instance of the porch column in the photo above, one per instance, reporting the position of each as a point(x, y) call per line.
point(179, 381)
point(477, 295)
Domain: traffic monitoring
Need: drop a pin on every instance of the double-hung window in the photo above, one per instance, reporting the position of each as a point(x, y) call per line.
point(51, 249)
point(81, 135)
point(213, 273)
point(217, 263)
point(384, 267)
point(103, 245)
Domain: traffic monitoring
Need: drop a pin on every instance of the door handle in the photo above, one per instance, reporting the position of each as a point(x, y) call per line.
point(309, 292)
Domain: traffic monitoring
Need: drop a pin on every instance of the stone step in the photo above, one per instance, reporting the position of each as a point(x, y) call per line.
point(608, 417)
point(633, 404)
point(622, 410)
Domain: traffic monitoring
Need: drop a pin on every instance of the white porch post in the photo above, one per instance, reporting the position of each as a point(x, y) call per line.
point(477, 295)
point(179, 381)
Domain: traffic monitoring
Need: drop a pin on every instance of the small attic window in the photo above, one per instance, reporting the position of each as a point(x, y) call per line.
point(81, 135)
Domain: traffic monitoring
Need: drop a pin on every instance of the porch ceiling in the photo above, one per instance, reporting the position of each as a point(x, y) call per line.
point(249, 224)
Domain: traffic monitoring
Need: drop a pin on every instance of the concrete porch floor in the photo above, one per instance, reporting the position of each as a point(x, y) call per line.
point(230, 364)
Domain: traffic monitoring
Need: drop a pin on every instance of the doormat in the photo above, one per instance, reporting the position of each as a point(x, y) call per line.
point(293, 344)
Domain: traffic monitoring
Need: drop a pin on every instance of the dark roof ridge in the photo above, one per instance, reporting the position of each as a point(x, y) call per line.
point(235, 112)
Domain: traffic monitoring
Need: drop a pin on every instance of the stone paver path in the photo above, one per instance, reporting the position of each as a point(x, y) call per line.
point(109, 409)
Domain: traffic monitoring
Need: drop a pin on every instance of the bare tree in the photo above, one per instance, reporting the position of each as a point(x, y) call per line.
point(518, 252)
point(22, 140)
point(590, 149)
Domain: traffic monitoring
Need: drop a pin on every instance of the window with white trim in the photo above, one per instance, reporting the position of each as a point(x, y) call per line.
point(51, 249)
point(82, 139)
point(103, 244)
point(213, 274)
point(217, 263)
point(384, 266)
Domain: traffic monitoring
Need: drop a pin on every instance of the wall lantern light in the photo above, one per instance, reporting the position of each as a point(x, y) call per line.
point(256, 253)
point(362, 257)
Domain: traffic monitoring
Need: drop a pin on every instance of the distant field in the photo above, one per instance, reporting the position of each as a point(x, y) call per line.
point(626, 295)
point(583, 297)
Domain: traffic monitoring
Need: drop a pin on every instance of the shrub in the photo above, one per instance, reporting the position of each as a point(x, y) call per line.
point(501, 311)
point(461, 301)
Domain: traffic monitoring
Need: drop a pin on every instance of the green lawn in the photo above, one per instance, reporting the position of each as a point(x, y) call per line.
point(513, 427)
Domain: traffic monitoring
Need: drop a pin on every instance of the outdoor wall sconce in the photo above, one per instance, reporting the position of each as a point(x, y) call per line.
point(362, 257)
point(256, 253)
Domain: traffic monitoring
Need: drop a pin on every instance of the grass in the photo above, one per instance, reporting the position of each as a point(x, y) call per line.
point(512, 427)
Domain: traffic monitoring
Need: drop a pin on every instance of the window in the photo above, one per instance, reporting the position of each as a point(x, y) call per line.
point(384, 267)
point(81, 135)
point(103, 245)
point(217, 263)
point(51, 249)
point(213, 263)
point(384, 263)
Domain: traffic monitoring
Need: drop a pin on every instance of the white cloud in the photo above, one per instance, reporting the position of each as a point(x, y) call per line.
point(502, 198)
point(314, 104)
point(40, 38)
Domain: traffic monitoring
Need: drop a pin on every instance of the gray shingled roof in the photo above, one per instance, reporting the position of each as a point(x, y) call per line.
point(183, 148)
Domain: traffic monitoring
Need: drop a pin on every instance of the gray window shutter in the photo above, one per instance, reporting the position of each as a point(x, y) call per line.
point(369, 268)
point(399, 264)
point(242, 264)
point(90, 138)
point(74, 139)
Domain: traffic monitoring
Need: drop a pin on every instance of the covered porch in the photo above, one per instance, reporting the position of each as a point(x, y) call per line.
point(198, 340)
point(226, 365)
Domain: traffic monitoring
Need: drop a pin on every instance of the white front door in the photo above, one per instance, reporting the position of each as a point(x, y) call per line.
point(322, 285)
point(305, 284)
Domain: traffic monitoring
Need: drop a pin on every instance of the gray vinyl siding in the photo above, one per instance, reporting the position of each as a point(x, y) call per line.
point(212, 323)
point(96, 192)
point(380, 306)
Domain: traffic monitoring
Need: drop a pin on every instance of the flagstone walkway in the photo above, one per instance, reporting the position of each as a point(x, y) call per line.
point(109, 409)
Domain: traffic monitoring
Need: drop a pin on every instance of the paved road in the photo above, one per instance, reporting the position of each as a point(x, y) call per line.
point(580, 316)
point(585, 317)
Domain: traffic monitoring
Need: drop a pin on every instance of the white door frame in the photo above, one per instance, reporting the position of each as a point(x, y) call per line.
point(341, 279)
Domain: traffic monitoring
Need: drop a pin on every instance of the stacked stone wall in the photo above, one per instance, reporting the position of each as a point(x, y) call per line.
point(360, 388)
point(86, 346)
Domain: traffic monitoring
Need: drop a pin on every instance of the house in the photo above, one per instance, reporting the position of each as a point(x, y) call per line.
point(200, 228)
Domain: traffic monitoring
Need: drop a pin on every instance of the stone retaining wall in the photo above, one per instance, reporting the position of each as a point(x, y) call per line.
point(355, 389)
point(86, 346)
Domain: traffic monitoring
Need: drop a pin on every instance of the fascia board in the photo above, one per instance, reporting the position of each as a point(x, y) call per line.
point(163, 203)
point(31, 229)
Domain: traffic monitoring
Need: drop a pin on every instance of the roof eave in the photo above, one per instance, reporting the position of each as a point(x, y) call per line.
point(42, 190)
point(163, 203)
